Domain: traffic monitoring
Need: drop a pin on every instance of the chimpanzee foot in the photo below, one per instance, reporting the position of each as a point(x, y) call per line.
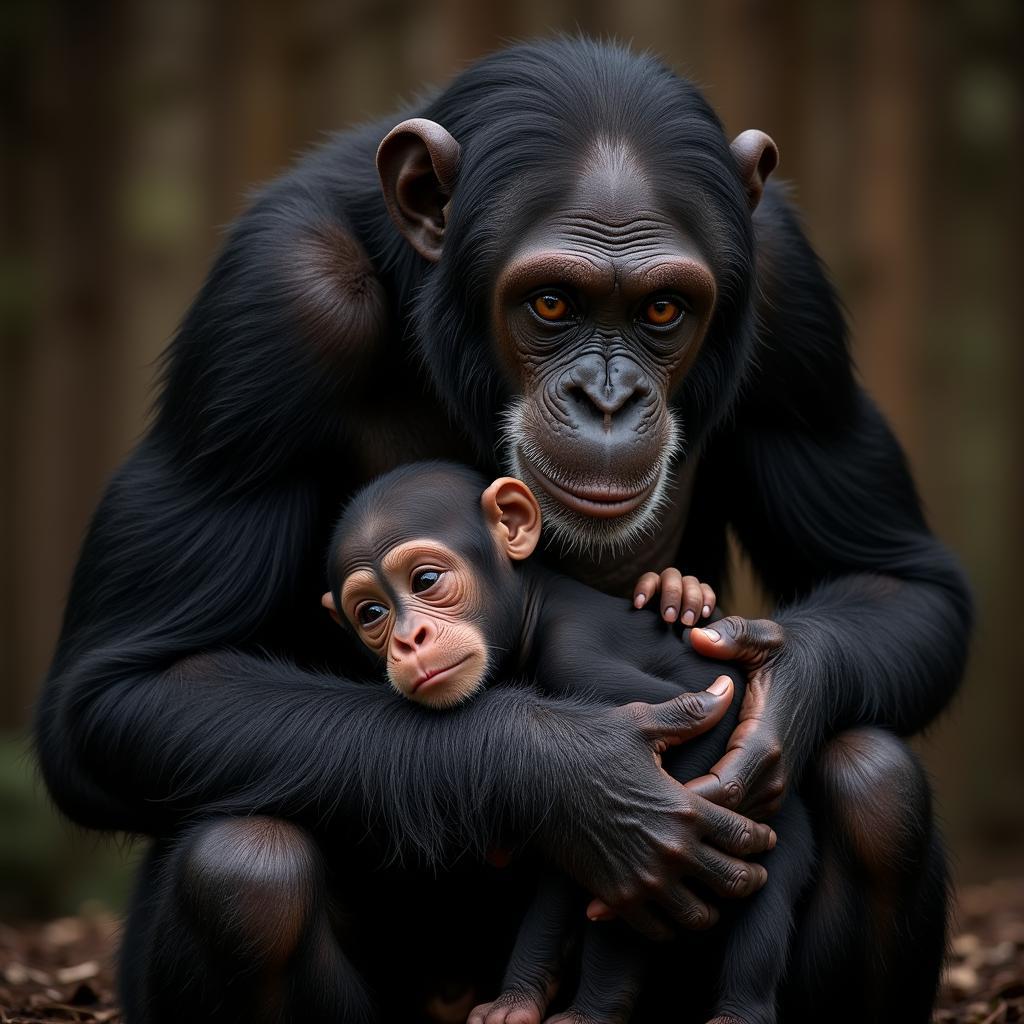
point(574, 1015)
point(511, 1007)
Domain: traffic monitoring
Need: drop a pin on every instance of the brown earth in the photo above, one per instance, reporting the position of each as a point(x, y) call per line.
point(63, 970)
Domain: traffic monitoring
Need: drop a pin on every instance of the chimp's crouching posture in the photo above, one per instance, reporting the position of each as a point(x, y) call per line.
point(427, 567)
point(560, 263)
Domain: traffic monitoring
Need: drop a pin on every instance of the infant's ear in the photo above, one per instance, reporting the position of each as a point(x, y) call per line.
point(513, 516)
point(328, 602)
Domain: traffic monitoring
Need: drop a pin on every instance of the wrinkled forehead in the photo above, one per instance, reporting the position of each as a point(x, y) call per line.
point(623, 202)
point(367, 545)
point(414, 502)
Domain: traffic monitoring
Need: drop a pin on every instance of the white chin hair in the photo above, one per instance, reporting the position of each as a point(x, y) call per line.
point(570, 531)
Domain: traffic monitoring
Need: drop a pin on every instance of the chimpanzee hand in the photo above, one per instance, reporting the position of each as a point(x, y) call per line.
point(753, 773)
point(630, 834)
point(682, 597)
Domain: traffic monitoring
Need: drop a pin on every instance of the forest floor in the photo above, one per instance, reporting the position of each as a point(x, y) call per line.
point(63, 970)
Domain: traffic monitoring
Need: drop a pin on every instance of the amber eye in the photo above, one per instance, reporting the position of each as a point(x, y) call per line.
point(550, 306)
point(662, 312)
point(425, 579)
point(370, 612)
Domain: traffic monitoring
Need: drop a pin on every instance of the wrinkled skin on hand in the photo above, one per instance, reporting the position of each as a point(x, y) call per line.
point(639, 833)
point(753, 774)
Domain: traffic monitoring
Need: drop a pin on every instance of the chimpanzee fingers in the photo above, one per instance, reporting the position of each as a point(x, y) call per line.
point(511, 1007)
point(693, 600)
point(730, 832)
point(728, 876)
point(687, 910)
point(671, 594)
point(598, 910)
point(749, 641)
point(709, 787)
point(646, 587)
point(750, 773)
point(689, 714)
point(766, 796)
point(682, 597)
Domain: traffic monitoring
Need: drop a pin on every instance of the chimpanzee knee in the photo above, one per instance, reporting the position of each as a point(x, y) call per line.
point(874, 926)
point(250, 887)
point(879, 801)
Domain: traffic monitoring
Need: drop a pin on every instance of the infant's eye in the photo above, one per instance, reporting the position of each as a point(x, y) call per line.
point(425, 579)
point(370, 612)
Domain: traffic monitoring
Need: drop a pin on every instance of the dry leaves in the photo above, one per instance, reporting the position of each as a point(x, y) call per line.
point(63, 971)
point(984, 980)
point(60, 971)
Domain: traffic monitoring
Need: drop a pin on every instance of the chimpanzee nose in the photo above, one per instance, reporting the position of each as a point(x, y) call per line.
point(411, 634)
point(602, 389)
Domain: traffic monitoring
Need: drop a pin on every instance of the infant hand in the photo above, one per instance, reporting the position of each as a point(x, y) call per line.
point(682, 597)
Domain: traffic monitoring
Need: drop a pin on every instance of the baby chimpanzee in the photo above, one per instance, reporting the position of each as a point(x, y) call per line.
point(428, 566)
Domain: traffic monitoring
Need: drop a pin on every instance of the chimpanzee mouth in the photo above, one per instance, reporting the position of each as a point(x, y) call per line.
point(589, 518)
point(432, 677)
point(607, 502)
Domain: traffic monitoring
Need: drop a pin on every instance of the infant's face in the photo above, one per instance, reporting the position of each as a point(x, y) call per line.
point(418, 609)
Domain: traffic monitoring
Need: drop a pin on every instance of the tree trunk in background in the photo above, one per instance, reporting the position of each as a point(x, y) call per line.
point(62, 404)
point(970, 386)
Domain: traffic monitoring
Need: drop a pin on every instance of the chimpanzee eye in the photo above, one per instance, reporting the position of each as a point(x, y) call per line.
point(425, 579)
point(551, 307)
point(370, 612)
point(663, 311)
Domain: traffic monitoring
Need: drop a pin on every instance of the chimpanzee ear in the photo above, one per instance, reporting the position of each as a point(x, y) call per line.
point(513, 515)
point(417, 162)
point(328, 602)
point(756, 156)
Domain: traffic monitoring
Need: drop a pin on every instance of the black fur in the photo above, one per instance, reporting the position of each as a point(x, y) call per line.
point(195, 678)
point(575, 641)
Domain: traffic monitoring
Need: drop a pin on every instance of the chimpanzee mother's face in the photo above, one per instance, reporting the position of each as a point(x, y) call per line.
point(598, 314)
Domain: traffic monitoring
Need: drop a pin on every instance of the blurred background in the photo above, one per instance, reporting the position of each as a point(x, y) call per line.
point(131, 133)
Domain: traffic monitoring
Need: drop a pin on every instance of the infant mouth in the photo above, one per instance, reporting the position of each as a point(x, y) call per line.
point(431, 675)
point(599, 502)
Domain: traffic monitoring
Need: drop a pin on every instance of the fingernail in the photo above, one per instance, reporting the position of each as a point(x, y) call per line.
point(639, 601)
point(712, 634)
point(720, 686)
point(772, 840)
point(705, 611)
point(688, 618)
point(670, 614)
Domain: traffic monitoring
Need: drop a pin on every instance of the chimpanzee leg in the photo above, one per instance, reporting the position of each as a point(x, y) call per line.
point(612, 975)
point(759, 937)
point(229, 923)
point(531, 977)
point(871, 941)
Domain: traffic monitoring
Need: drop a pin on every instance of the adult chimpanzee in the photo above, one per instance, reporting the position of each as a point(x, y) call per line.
point(427, 568)
point(561, 273)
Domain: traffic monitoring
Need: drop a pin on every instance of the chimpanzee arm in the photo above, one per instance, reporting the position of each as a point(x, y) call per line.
point(160, 708)
point(875, 612)
point(579, 657)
